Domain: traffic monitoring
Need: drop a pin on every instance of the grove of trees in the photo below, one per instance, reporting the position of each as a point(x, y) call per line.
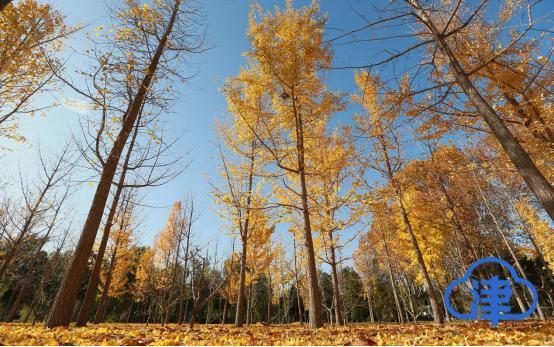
point(339, 206)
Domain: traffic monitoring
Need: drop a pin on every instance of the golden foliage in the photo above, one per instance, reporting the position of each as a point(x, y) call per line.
point(29, 33)
point(513, 333)
point(539, 230)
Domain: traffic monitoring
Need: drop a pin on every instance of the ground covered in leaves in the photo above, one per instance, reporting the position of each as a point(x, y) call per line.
point(480, 333)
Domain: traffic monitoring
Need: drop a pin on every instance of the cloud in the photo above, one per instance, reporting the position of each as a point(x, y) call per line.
point(79, 106)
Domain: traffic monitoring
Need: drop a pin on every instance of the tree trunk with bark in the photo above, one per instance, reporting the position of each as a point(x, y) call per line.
point(537, 183)
point(335, 278)
point(224, 315)
point(391, 279)
point(314, 304)
point(300, 314)
point(435, 307)
point(64, 302)
point(239, 314)
point(182, 289)
point(30, 218)
point(269, 297)
point(28, 276)
point(90, 294)
point(130, 311)
point(103, 304)
point(504, 238)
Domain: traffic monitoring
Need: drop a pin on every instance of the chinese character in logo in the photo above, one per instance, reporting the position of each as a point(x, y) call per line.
point(491, 297)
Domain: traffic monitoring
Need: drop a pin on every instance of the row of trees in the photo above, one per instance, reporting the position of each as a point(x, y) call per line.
point(320, 177)
point(424, 206)
point(128, 86)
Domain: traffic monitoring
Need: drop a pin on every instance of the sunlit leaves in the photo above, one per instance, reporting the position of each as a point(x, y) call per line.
point(30, 35)
point(513, 333)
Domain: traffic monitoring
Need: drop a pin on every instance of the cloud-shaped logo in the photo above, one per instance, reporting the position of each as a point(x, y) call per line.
point(493, 295)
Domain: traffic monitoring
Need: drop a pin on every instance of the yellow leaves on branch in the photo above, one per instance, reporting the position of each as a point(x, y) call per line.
point(539, 229)
point(145, 280)
point(30, 33)
point(142, 15)
point(260, 253)
point(284, 36)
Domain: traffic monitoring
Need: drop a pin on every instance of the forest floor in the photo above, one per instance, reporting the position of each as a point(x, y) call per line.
point(477, 333)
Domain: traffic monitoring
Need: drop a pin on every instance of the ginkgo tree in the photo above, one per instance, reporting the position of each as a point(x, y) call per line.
point(242, 192)
point(457, 45)
point(155, 37)
point(114, 276)
point(440, 161)
point(330, 186)
point(31, 36)
point(287, 49)
point(386, 158)
point(439, 28)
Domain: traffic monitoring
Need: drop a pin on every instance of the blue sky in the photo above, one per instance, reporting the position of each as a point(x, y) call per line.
point(199, 105)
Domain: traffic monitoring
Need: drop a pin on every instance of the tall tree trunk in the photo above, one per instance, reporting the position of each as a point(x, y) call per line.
point(300, 314)
point(27, 225)
point(90, 294)
point(314, 304)
point(240, 311)
point(269, 297)
point(447, 316)
point(370, 304)
point(435, 306)
point(130, 311)
point(224, 316)
point(239, 314)
point(315, 308)
point(523, 222)
point(504, 238)
point(20, 294)
point(28, 276)
point(535, 180)
point(391, 277)
point(336, 293)
point(437, 313)
point(102, 306)
point(248, 303)
point(182, 288)
point(64, 302)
